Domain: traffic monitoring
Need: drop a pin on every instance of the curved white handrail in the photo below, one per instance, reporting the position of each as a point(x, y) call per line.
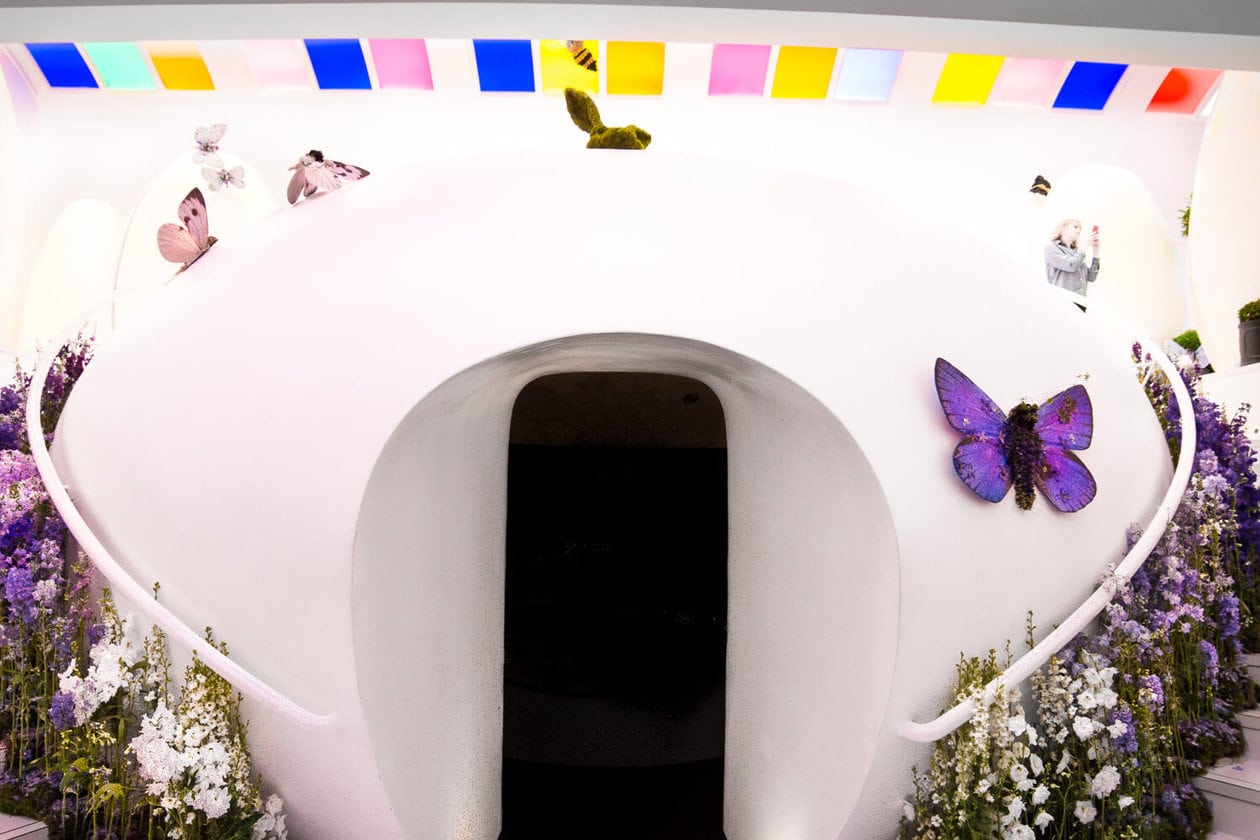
point(127, 586)
point(1040, 654)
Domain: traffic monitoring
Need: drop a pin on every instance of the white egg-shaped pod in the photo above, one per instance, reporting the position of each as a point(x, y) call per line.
point(307, 447)
point(1224, 249)
point(74, 269)
point(1138, 277)
point(229, 210)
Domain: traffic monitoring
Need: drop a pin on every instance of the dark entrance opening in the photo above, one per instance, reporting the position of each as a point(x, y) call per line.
point(615, 636)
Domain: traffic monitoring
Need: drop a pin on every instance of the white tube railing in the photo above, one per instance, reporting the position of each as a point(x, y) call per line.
point(1040, 654)
point(124, 584)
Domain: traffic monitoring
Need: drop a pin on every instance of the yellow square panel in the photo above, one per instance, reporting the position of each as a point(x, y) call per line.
point(636, 67)
point(803, 72)
point(560, 67)
point(967, 79)
point(180, 66)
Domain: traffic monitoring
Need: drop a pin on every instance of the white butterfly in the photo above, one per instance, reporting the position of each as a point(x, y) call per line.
point(187, 244)
point(221, 179)
point(207, 139)
point(312, 173)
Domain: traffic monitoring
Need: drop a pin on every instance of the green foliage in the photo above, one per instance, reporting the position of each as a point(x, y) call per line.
point(1249, 312)
point(585, 116)
point(1185, 218)
point(1189, 340)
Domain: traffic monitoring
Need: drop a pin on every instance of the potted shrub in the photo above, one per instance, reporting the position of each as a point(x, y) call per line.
point(1249, 332)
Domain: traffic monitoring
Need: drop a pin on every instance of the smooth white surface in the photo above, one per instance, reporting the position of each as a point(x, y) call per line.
point(224, 442)
point(1224, 249)
point(75, 267)
point(1138, 279)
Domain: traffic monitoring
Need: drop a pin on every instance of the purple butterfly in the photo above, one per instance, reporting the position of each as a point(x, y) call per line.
point(1032, 446)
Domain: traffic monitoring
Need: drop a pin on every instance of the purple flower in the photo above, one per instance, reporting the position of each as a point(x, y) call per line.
point(62, 710)
point(19, 589)
point(1152, 694)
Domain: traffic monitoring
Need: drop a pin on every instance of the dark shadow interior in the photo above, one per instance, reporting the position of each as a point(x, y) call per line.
point(615, 636)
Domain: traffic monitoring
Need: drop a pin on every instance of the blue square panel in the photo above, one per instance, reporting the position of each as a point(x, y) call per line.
point(338, 63)
point(505, 65)
point(62, 65)
point(1089, 84)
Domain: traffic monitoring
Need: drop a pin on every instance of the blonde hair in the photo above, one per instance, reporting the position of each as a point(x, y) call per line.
point(1058, 232)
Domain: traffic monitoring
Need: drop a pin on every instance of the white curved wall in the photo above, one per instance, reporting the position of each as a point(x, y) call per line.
point(73, 270)
point(284, 370)
point(1138, 281)
point(1224, 249)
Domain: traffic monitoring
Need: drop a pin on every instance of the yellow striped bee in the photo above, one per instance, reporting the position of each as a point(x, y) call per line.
point(581, 55)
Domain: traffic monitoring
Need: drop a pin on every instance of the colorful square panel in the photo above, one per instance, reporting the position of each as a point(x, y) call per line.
point(401, 63)
point(738, 69)
point(62, 65)
point(504, 65)
point(338, 63)
point(636, 67)
point(1183, 90)
point(278, 63)
point(967, 79)
point(1089, 85)
point(867, 75)
point(120, 65)
point(180, 66)
point(1028, 81)
point(803, 72)
point(572, 64)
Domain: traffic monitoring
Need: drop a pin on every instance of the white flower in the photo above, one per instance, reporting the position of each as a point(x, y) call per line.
point(1064, 763)
point(1085, 811)
point(1034, 761)
point(1014, 807)
point(1016, 724)
point(1118, 729)
point(984, 784)
point(1018, 832)
point(270, 825)
point(1084, 727)
point(1105, 782)
point(1040, 794)
point(907, 813)
point(1043, 819)
point(1124, 802)
point(1019, 773)
point(45, 592)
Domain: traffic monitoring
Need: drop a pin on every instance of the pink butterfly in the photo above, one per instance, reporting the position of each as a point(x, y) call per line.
point(187, 244)
point(312, 173)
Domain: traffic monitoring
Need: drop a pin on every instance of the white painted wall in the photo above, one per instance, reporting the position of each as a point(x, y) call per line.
point(1224, 249)
point(238, 436)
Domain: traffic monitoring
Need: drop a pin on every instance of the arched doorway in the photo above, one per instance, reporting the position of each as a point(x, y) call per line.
point(616, 609)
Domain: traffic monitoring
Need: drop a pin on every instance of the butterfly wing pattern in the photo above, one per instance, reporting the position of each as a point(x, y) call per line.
point(186, 244)
point(1066, 422)
point(313, 172)
point(980, 457)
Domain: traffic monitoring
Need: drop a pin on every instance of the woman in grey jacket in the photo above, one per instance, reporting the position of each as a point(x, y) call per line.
point(1066, 266)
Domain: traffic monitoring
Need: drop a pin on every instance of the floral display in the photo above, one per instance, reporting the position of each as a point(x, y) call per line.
point(94, 738)
point(1120, 721)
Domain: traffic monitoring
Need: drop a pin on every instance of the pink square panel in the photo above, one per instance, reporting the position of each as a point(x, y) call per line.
point(278, 63)
point(401, 63)
point(1028, 81)
point(738, 69)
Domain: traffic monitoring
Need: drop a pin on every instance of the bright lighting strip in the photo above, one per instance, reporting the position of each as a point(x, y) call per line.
point(338, 63)
point(866, 75)
point(738, 70)
point(401, 63)
point(636, 67)
point(1028, 81)
point(1089, 85)
point(967, 79)
point(504, 66)
point(561, 70)
point(180, 66)
point(803, 72)
point(62, 65)
point(120, 65)
point(1183, 90)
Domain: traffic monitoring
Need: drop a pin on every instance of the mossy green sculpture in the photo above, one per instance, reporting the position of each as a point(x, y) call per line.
point(586, 116)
